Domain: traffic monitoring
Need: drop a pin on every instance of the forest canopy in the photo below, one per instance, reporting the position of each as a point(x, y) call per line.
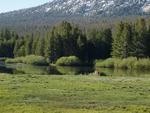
point(125, 40)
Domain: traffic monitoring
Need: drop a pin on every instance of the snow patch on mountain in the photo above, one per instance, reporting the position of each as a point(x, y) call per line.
point(146, 7)
point(87, 8)
point(97, 7)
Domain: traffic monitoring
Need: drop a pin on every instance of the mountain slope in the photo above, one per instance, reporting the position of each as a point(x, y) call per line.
point(58, 10)
point(87, 8)
point(97, 7)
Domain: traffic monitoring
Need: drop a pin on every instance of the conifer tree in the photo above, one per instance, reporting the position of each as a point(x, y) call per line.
point(28, 44)
point(55, 48)
point(82, 47)
point(117, 44)
point(122, 41)
point(139, 39)
point(40, 47)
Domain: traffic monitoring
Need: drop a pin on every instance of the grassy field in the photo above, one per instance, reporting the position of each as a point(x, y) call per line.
point(74, 94)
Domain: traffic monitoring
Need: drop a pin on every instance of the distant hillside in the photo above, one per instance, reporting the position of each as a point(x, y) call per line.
point(77, 11)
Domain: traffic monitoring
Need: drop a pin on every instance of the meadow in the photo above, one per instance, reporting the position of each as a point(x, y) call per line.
point(27, 93)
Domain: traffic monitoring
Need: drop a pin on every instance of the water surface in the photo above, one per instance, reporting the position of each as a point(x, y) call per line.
point(62, 70)
point(43, 70)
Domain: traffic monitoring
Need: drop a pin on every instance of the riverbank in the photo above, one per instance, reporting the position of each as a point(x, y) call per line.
point(127, 63)
point(31, 59)
point(73, 94)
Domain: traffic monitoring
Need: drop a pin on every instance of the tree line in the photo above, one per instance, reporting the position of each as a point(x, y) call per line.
point(131, 39)
point(127, 39)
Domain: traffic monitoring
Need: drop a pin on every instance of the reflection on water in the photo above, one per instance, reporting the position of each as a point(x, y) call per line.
point(123, 72)
point(43, 70)
point(59, 70)
point(75, 70)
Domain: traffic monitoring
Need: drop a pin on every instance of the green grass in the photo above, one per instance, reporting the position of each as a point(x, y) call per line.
point(68, 61)
point(31, 59)
point(73, 94)
point(128, 63)
point(2, 59)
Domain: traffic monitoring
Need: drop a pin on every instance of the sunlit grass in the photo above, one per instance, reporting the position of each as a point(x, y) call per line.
point(73, 94)
point(31, 59)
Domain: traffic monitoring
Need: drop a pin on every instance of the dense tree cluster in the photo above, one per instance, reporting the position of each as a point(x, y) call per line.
point(62, 40)
point(128, 39)
point(7, 42)
point(131, 39)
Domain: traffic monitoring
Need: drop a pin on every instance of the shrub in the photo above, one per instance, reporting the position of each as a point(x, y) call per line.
point(14, 60)
point(69, 61)
point(128, 63)
point(142, 64)
point(109, 63)
point(2, 59)
point(31, 59)
point(117, 63)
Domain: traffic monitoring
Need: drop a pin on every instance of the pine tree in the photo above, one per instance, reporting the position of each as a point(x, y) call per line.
point(7, 34)
point(34, 45)
point(122, 39)
point(148, 40)
point(19, 48)
point(139, 39)
point(82, 47)
point(40, 47)
point(116, 44)
point(55, 47)
point(21, 51)
point(127, 41)
point(28, 44)
point(47, 45)
point(106, 43)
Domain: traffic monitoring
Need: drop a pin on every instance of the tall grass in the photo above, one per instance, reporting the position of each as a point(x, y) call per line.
point(128, 63)
point(109, 63)
point(68, 61)
point(2, 59)
point(142, 64)
point(31, 59)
